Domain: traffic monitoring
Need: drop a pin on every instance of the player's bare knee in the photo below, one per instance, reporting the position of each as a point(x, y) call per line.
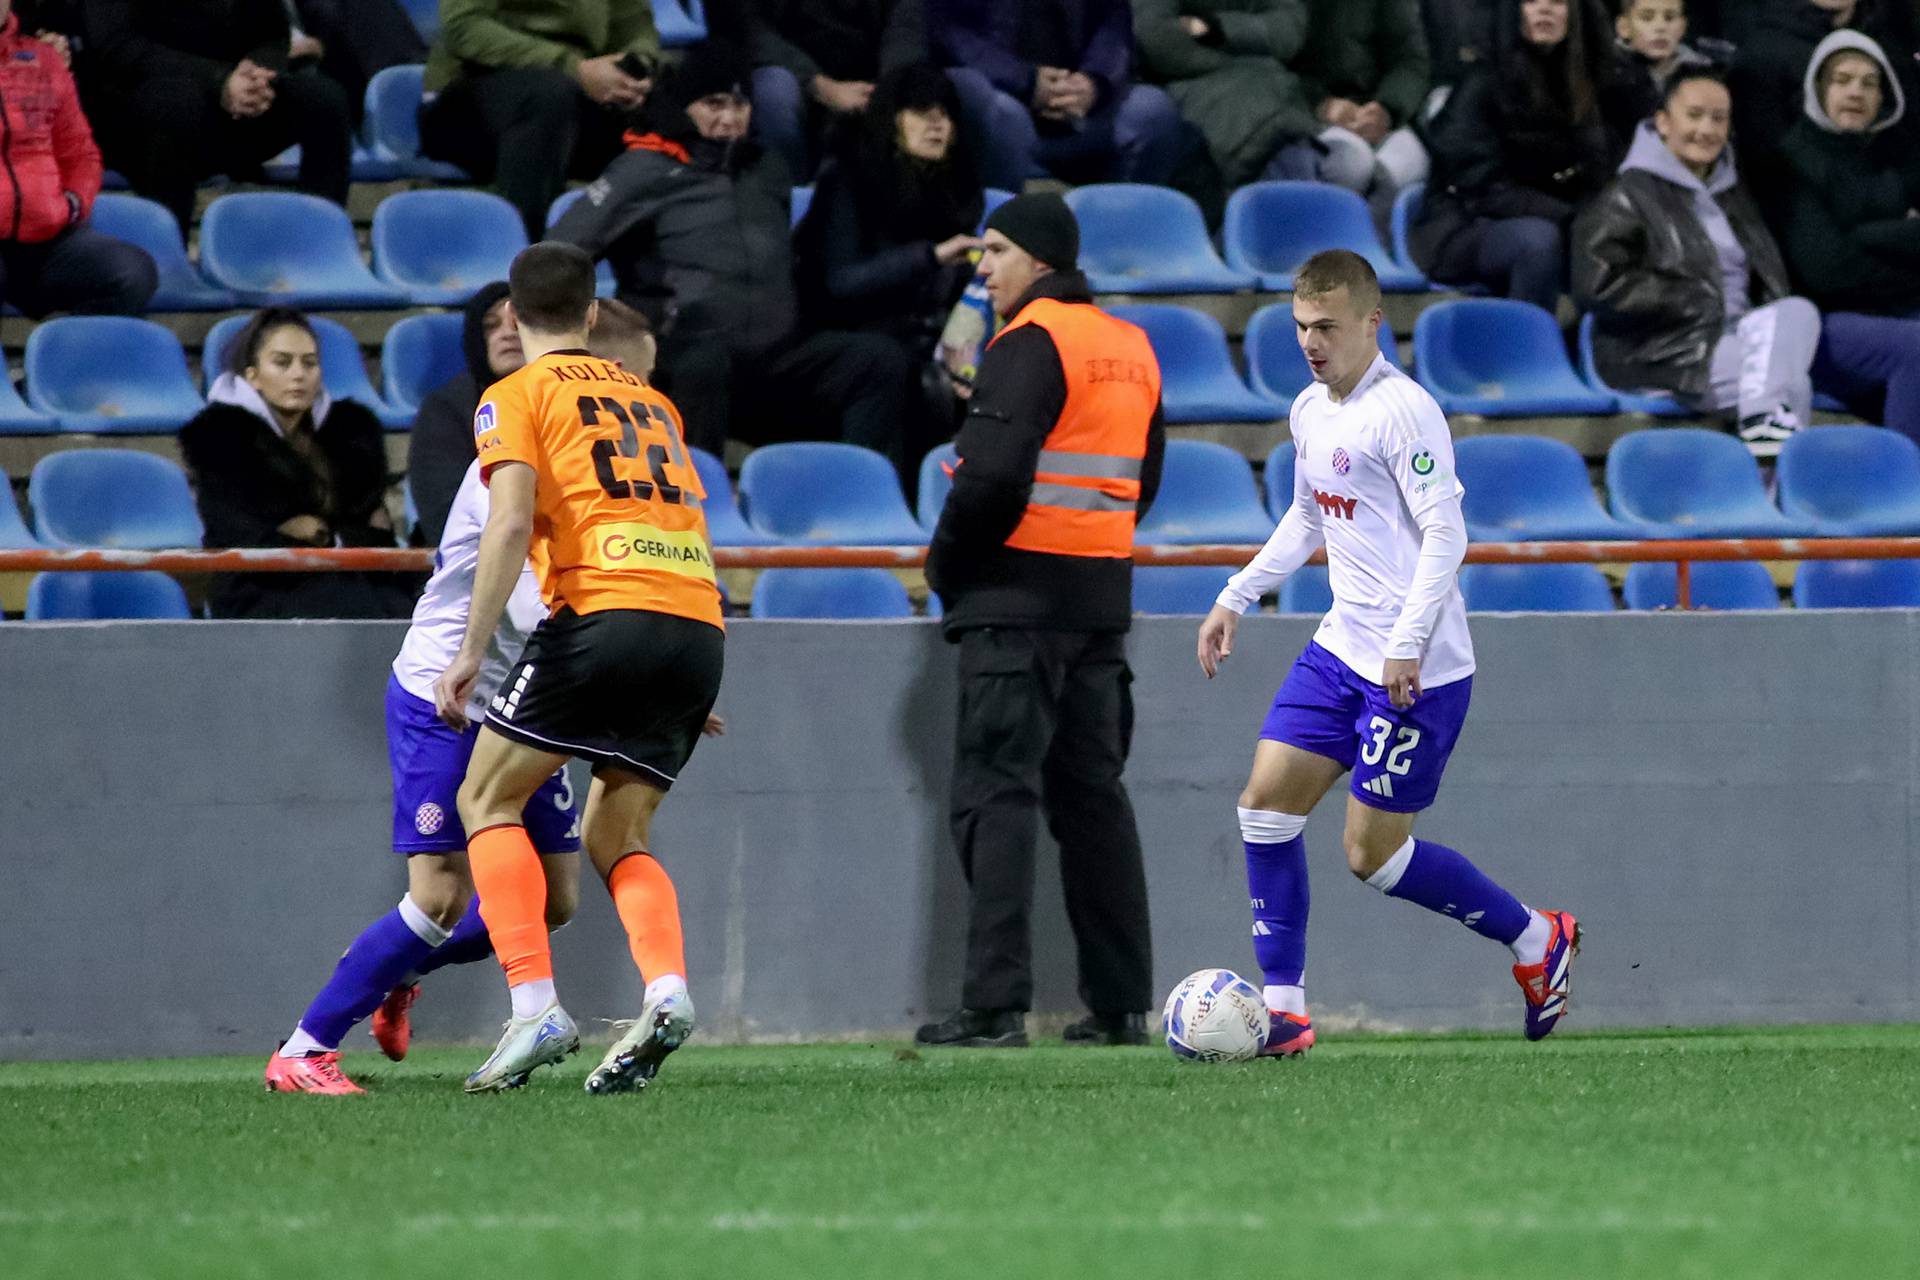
point(1363, 859)
point(444, 904)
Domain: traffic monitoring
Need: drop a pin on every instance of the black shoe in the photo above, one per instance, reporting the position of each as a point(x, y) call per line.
point(1108, 1028)
point(977, 1029)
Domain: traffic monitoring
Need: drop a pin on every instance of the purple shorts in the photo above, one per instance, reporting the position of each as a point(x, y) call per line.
point(429, 762)
point(1396, 756)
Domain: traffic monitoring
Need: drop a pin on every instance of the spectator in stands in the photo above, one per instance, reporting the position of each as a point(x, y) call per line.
point(523, 93)
point(1851, 230)
point(277, 462)
point(1366, 72)
point(50, 259)
point(694, 218)
point(1520, 145)
point(1459, 35)
point(359, 39)
point(816, 63)
point(441, 445)
point(1690, 293)
point(888, 244)
point(1771, 66)
point(1046, 87)
point(1652, 48)
point(184, 89)
point(1225, 62)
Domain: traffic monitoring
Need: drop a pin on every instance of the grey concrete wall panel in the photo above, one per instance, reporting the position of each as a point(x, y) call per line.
point(194, 821)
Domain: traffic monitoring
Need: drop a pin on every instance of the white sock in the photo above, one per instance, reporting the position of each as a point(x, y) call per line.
point(1388, 876)
point(664, 985)
point(1287, 1000)
point(530, 999)
point(1531, 946)
point(422, 924)
point(300, 1044)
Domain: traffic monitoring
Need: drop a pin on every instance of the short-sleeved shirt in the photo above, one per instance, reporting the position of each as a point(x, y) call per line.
point(617, 516)
point(1369, 466)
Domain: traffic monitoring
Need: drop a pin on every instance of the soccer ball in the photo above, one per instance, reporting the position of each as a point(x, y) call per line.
point(1215, 1015)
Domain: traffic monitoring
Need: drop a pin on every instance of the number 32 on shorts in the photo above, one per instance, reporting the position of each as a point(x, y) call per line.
point(1379, 729)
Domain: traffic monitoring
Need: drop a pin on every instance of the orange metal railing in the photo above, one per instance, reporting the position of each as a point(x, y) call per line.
point(311, 559)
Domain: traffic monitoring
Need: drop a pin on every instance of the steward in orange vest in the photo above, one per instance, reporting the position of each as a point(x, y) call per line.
point(1059, 456)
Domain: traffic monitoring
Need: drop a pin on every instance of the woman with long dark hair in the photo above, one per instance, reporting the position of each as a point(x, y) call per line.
point(277, 462)
point(1519, 147)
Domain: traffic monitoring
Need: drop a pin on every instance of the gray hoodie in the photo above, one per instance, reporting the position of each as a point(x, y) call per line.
point(1893, 103)
point(1650, 155)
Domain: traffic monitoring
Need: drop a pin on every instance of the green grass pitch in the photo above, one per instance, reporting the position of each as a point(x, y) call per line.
point(1736, 1153)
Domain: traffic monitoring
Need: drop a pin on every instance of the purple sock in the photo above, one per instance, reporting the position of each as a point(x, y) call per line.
point(1277, 885)
point(1441, 880)
point(376, 962)
point(468, 942)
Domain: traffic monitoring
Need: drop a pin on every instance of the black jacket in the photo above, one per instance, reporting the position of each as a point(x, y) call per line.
point(248, 481)
point(1645, 267)
point(1494, 158)
point(698, 236)
point(1018, 398)
point(1849, 240)
point(441, 446)
point(839, 39)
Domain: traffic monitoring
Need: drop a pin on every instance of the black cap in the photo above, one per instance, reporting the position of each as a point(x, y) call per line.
point(1043, 225)
point(710, 67)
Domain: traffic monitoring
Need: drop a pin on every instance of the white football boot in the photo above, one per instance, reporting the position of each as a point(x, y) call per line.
point(635, 1058)
point(529, 1043)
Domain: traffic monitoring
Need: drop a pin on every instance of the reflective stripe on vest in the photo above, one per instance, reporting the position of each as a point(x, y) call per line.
point(1086, 486)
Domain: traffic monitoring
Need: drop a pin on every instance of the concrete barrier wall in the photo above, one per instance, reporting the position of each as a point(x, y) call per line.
point(194, 820)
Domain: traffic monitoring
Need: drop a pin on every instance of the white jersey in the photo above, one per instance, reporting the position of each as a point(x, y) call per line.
point(1367, 468)
point(440, 615)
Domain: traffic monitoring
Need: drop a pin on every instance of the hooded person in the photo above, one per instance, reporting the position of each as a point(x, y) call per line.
point(441, 444)
point(1850, 228)
point(695, 220)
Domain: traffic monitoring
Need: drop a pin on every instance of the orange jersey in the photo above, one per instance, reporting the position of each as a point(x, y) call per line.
point(617, 520)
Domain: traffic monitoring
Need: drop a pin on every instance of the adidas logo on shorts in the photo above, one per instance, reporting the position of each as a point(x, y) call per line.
point(1380, 786)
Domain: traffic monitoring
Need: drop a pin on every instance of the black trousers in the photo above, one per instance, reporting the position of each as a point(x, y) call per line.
point(167, 134)
point(80, 270)
point(1046, 719)
point(525, 130)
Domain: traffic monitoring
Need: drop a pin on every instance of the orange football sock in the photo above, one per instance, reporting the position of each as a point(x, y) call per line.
point(513, 900)
point(650, 909)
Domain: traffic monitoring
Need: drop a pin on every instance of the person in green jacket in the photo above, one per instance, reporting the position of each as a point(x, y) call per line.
point(1852, 230)
point(523, 93)
point(1366, 71)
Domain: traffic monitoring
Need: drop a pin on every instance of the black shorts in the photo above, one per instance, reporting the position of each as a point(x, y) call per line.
point(624, 688)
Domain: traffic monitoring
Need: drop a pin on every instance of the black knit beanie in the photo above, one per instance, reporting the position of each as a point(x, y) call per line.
point(1043, 225)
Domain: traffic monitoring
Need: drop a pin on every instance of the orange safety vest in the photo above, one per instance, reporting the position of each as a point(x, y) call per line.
point(1086, 488)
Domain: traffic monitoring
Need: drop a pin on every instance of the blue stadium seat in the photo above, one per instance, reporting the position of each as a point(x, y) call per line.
point(1406, 208)
point(1657, 404)
point(1689, 482)
point(1277, 479)
point(17, 418)
point(1857, 584)
point(420, 355)
point(1273, 227)
point(1275, 364)
point(1207, 494)
point(935, 483)
point(603, 281)
point(393, 124)
point(1501, 359)
point(425, 15)
point(153, 228)
point(816, 493)
point(14, 534)
point(829, 593)
point(343, 368)
point(80, 596)
point(1536, 588)
point(680, 22)
point(1197, 378)
point(1144, 239)
point(280, 247)
point(799, 200)
point(1530, 488)
point(438, 247)
point(1177, 589)
point(1307, 590)
point(111, 374)
point(1713, 584)
point(725, 525)
point(113, 498)
point(1851, 481)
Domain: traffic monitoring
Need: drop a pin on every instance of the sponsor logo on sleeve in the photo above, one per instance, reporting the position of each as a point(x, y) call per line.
point(1423, 463)
point(484, 419)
